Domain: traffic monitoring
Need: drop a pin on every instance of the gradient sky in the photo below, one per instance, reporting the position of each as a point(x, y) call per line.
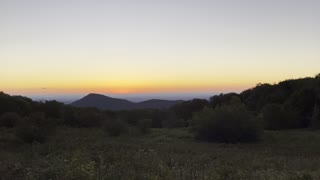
point(155, 46)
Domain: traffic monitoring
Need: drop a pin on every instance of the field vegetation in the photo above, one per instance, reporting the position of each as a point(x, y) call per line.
point(267, 132)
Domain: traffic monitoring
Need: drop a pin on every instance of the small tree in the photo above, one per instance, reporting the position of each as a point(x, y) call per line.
point(315, 121)
point(275, 116)
point(144, 125)
point(115, 127)
point(89, 118)
point(171, 120)
point(35, 128)
point(229, 123)
point(9, 119)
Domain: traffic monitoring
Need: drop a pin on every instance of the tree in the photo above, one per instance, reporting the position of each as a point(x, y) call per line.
point(144, 125)
point(115, 127)
point(227, 123)
point(171, 120)
point(35, 128)
point(315, 121)
point(275, 116)
point(186, 109)
point(302, 103)
point(223, 99)
point(88, 117)
point(10, 119)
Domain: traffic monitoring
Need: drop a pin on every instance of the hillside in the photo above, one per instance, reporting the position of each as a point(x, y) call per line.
point(108, 103)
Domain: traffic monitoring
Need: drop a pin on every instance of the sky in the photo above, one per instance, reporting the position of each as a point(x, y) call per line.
point(155, 47)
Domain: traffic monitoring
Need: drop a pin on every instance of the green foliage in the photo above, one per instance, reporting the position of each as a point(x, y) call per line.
point(157, 117)
point(115, 127)
point(315, 121)
point(79, 167)
point(19, 104)
point(144, 125)
point(85, 153)
point(224, 99)
point(52, 109)
point(170, 120)
point(132, 117)
point(69, 116)
point(10, 119)
point(261, 95)
point(87, 117)
point(275, 117)
point(186, 109)
point(35, 128)
point(229, 123)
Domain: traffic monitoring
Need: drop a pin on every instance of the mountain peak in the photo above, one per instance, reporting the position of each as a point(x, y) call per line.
point(108, 103)
point(95, 94)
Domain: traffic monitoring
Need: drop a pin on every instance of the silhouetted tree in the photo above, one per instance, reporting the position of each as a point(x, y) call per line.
point(157, 117)
point(19, 104)
point(115, 127)
point(170, 120)
point(227, 123)
point(144, 125)
point(89, 117)
point(222, 99)
point(186, 109)
point(35, 127)
point(10, 119)
point(52, 109)
point(302, 102)
point(275, 116)
point(315, 121)
point(69, 116)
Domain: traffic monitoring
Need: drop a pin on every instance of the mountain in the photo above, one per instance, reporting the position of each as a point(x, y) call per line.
point(108, 103)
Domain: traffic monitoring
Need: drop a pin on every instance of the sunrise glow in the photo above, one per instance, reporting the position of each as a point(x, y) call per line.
point(137, 47)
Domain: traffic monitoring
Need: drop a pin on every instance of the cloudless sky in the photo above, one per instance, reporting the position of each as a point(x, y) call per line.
point(155, 46)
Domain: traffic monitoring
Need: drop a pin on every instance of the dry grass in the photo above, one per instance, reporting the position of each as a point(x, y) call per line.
point(163, 154)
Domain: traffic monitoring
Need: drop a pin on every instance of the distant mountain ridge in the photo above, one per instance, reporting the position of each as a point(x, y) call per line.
point(108, 103)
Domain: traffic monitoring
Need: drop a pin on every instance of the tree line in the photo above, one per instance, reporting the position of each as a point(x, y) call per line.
point(231, 117)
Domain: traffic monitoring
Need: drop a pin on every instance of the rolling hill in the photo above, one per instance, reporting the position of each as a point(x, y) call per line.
point(108, 103)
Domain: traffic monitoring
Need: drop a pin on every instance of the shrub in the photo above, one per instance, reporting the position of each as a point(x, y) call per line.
point(275, 117)
point(229, 124)
point(89, 118)
point(9, 119)
point(35, 128)
point(144, 125)
point(171, 120)
point(69, 116)
point(315, 120)
point(115, 127)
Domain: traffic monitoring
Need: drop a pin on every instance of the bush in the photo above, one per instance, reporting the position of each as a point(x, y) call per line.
point(89, 118)
point(115, 127)
point(276, 117)
point(315, 121)
point(171, 120)
point(35, 128)
point(144, 125)
point(9, 119)
point(229, 124)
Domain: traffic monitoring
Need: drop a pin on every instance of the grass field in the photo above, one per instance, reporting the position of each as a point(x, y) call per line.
point(84, 154)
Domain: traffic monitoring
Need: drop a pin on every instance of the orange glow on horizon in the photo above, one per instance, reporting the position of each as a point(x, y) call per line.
point(128, 90)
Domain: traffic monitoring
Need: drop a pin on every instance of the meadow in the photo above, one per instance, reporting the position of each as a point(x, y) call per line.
point(89, 153)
